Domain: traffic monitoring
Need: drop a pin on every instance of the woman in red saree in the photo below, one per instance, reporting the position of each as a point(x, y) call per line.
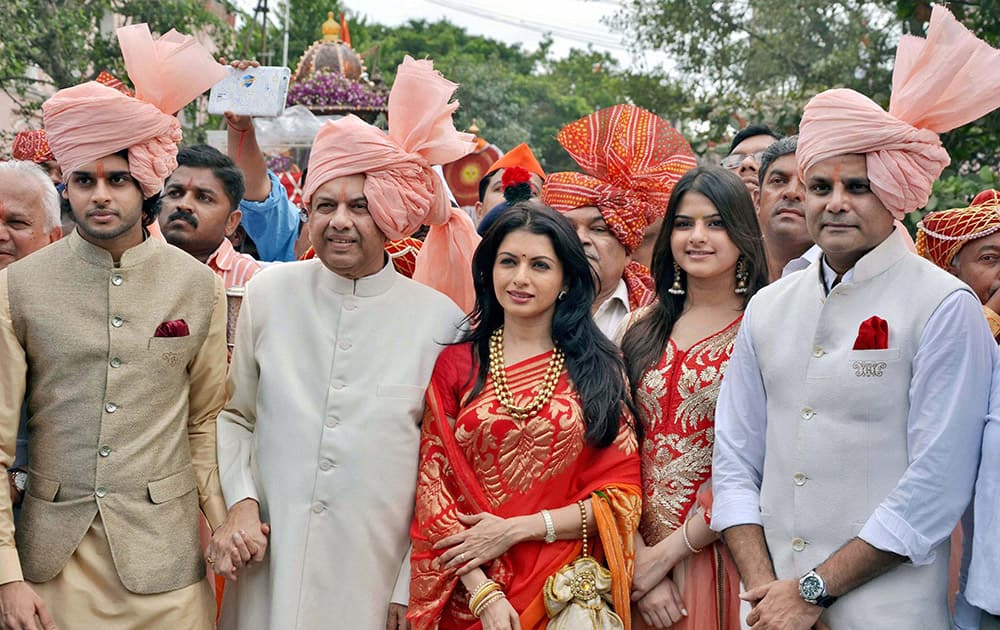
point(707, 263)
point(524, 420)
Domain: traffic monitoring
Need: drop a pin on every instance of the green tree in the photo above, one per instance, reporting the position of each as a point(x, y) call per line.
point(58, 43)
point(761, 60)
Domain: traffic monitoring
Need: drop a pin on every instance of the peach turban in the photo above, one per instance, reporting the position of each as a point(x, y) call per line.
point(89, 121)
point(631, 160)
point(940, 235)
point(403, 191)
point(939, 83)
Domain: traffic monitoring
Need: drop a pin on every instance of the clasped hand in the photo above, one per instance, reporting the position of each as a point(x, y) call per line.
point(239, 542)
point(486, 538)
point(778, 606)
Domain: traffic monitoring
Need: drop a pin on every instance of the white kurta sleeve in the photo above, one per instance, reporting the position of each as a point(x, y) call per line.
point(740, 430)
point(236, 423)
point(949, 400)
point(401, 592)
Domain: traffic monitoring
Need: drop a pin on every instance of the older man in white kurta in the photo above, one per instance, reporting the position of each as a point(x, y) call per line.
point(322, 429)
point(328, 376)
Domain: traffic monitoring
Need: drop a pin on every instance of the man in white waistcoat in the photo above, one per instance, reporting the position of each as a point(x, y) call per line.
point(847, 437)
point(333, 356)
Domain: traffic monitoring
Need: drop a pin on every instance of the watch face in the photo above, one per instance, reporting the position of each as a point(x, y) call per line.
point(811, 588)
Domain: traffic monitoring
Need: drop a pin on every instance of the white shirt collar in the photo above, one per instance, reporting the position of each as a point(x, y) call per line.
point(810, 256)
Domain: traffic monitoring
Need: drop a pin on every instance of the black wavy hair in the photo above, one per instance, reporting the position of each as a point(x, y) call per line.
point(594, 363)
point(646, 341)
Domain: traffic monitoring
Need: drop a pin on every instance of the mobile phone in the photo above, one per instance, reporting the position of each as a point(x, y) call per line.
point(252, 92)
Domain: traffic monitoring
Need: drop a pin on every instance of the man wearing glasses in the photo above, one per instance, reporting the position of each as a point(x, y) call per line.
point(745, 152)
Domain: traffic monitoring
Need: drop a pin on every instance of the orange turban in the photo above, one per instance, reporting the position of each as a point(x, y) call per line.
point(938, 84)
point(522, 156)
point(631, 158)
point(940, 235)
point(89, 121)
point(403, 191)
point(31, 146)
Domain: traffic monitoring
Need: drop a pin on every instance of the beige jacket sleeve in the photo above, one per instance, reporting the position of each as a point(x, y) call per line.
point(993, 319)
point(238, 420)
point(207, 395)
point(13, 373)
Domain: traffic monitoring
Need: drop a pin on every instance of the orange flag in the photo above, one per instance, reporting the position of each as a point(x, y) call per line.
point(345, 33)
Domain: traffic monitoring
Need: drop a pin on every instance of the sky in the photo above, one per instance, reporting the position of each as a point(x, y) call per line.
point(572, 23)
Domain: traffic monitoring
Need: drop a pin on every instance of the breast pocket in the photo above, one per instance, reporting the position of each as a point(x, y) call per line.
point(871, 376)
point(171, 351)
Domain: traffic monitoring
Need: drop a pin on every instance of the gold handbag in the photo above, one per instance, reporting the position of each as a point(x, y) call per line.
point(578, 596)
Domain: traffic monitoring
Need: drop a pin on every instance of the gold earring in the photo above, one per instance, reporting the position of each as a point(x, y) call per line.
point(741, 276)
point(676, 289)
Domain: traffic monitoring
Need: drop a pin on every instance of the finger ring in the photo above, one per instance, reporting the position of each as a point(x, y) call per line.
point(461, 557)
point(210, 560)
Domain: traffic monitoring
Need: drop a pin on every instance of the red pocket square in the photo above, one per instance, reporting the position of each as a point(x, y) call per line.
point(173, 328)
point(873, 334)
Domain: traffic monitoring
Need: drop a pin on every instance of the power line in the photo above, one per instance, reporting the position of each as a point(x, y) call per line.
point(587, 37)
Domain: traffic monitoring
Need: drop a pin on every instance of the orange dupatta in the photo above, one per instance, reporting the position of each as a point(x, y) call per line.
point(489, 462)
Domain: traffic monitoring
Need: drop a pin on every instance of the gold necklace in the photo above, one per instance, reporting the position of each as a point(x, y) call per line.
point(499, 374)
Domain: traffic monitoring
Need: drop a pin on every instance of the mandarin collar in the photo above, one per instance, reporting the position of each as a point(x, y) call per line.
point(101, 257)
point(874, 263)
point(369, 286)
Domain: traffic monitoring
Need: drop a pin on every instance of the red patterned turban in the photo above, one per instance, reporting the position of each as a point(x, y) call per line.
point(631, 159)
point(940, 235)
point(31, 146)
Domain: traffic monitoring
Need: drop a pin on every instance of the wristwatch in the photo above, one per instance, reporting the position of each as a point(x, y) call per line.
point(812, 589)
point(20, 479)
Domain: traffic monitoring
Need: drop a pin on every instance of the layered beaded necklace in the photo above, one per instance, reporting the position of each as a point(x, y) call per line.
point(499, 374)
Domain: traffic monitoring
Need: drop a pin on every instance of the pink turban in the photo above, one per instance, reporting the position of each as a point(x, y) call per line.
point(90, 121)
point(403, 191)
point(939, 83)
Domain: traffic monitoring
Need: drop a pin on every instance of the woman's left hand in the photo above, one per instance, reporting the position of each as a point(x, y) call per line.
point(487, 538)
point(652, 564)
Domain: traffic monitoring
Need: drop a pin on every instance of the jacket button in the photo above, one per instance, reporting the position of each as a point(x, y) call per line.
point(798, 544)
point(101, 492)
point(117, 321)
point(818, 352)
point(104, 450)
point(115, 362)
point(318, 507)
point(807, 413)
point(110, 407)
point(116, 280)
point(800, 478)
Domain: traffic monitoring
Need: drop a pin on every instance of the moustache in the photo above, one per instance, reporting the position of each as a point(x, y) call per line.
point(183, 216)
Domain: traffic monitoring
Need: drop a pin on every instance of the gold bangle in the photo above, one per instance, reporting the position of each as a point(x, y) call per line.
point(482, 592)
point(494, 597)
point(684, 535)
point(583, 525)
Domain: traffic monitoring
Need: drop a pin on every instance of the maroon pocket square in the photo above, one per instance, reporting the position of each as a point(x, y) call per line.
point(873, 334)
point(173, 328)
